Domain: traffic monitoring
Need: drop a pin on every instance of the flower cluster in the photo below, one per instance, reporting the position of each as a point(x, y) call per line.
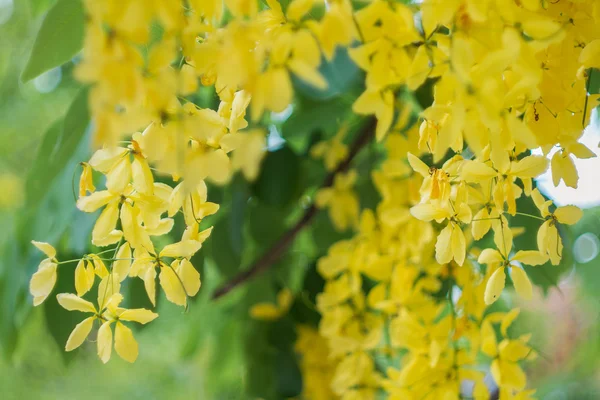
point(404, 306)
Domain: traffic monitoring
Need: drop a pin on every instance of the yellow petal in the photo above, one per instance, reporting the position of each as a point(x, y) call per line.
point(172, 286)
point(285, 297)
point(42, 282)
point(125, 344)
point(490, 256)
point(481, 224)
point(140, 315)
point(123, 263)
point(569, 215)
point(512, 376)
point(150, 284)
point(521, 282)
point(108, 286)
point(513, 350)
point(503, 236)
point(265, 312)
point(529, 167)
point(105, 159)
point(185, 249)
point(563, 167)
point(106, 223)
point(443, 248)
point(143, 181)
point(83, 280)
point(417, 165)
point(189, 276)
point(590, 55)
point(104, 341)
point(71, 302)
point(494, 286)
point(79, 334)
point(530, 257)
point(508, 320)
point(428, 212)
point(475, 171)
point(46, 248)
point(458, 244)
point(94, 201)
point(488, 339)
point(119, 176)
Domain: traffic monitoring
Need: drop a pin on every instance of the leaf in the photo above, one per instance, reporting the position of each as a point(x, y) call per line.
point(594, 83)
point(222, 250)
point(278, 182)
point(10, 292)
point(58, 40)
point(266, 224)
point(288, 377)
point(39, 7)
point(341, 75)
point(311, 118)
point(57, 148)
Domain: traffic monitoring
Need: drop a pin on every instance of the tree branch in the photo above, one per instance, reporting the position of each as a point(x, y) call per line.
point(279, 248)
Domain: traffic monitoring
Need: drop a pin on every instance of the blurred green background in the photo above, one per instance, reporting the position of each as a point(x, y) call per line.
point(214, 350)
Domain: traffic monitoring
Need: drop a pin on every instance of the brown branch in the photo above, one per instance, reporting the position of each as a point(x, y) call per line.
point(279, 248)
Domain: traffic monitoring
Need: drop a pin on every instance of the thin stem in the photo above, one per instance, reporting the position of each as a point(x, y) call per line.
point(530, 216)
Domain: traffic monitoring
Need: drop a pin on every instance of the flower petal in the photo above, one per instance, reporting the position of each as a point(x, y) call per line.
point(79, 334)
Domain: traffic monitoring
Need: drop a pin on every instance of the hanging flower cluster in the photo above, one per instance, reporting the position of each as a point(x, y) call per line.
point(404, 306)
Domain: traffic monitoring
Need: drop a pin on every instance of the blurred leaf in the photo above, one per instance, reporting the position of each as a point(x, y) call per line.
point(288, 375)
point(266, 224)
point(291, 271)
point(594, 84)
point(39, 7)
point(324, 233)
point(59, 39)
point(341, 75)
point(278, 182)
point(312, 117)
point(222, 249)
point(9, 293)
point(57, 148)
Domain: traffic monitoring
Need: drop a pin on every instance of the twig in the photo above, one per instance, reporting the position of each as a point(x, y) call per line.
point(278, 249)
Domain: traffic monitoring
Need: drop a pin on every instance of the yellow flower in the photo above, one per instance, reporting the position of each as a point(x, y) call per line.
point(108, 313)
point(179, 279)
point(501, 259)
point(42, 282)
point(548, 237)
point(332, 151)
point(505, 368)
point(341, 201)
point(271, 312)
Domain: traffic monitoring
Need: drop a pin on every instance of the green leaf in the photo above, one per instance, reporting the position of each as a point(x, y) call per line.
point(311, 118)
point(266, 224)
point(594, 83)
point(59, 39)
point(38, 7)
point(222, 249)
point(278, 182)
point(10, 291)
point(341, 75)
point(57, 148)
